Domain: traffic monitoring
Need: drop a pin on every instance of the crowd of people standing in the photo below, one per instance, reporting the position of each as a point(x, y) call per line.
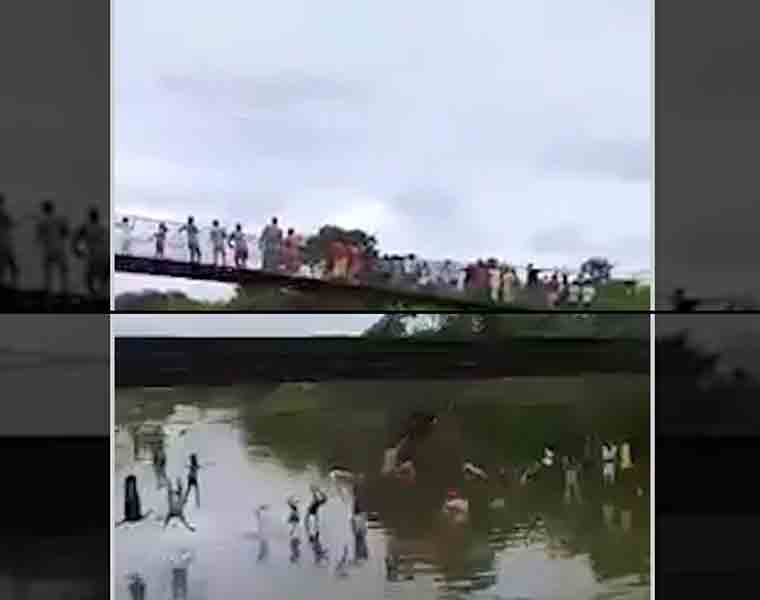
point(56, 241)
point(343, 258)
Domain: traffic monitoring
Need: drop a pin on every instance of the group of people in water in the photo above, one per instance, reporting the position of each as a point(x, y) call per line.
point(399, 462)
point(56, 240)
point(345, 259)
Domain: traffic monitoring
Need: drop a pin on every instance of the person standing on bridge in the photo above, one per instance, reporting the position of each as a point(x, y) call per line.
point(193, 245)
point(125, 228)
point(52, 232)
point(160, 237)
point(508, 285)
point(7, 255)
point(270, 245)
point(339, 257)
point(93, 236)
point(239, 242)
point(292, 251)
point(218, 236)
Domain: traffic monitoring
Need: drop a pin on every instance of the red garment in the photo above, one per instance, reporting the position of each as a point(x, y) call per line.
point(481, 277)
point(292, 253)
point(337, 251)
point(356, 260)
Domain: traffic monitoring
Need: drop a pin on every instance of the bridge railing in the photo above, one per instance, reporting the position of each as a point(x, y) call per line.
point(137, 239)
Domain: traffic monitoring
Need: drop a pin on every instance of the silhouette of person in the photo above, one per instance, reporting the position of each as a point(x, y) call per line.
point(94, 237)
point(159, 466)
point(136, 586)
point(318, 500)
point(192, 480)
point(176, 501)
point(8, 264)
point(160, 237)
point(681, 303)
point(52, 232)
point(132, 510)
point(294, 518)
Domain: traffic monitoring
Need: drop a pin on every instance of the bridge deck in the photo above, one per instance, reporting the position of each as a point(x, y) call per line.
point(206, 272)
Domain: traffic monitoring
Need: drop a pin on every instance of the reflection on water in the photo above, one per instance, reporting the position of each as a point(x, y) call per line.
point(257, 446)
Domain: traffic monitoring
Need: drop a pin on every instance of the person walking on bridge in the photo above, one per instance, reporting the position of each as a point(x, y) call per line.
point(126, 228)
point(218, 236)
point(52, 231)
point(193, 244)
point(292, 251)
point(270, 245)
point(92, 235)
point(239, 242)
point(160, 237)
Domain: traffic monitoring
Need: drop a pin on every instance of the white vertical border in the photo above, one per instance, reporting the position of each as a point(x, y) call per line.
point(112, 354)
point(652, 303)
point(111, 145)
point(112, 452)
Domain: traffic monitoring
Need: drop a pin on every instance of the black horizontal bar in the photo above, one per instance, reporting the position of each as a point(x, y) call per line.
point(181, 361)
point(706, 475)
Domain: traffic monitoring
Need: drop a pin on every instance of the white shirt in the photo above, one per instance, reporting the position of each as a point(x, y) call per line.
point(239, 240)
point(217, 237)
point(192, 234)
point(573, 292)
point(625, 456)
point(589, 292)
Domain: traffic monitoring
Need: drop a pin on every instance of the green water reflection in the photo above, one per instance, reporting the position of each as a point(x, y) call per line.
point(521, 541)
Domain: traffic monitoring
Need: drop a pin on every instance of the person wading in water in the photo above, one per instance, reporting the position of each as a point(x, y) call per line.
point(132, 510)
point(176, 500)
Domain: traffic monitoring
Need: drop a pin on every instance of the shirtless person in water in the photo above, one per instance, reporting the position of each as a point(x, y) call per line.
point(177, 500)
point(319, 499)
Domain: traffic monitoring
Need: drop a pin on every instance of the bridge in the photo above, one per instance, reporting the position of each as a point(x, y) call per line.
point(134, 244)
point(309, 287)
point(223, 361)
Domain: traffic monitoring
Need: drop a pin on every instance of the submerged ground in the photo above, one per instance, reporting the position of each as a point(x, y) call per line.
point(263, 443)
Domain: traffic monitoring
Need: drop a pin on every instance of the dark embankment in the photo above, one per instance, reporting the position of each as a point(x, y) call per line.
point(221, 361)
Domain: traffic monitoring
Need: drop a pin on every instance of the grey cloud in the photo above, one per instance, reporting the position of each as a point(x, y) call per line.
point(284, 90)
point(561, 239)
point(215, 204)
point(573, 240)
point(427, 203)
point(626, 160)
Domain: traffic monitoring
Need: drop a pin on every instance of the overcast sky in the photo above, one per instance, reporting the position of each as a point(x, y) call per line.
point(453, 129)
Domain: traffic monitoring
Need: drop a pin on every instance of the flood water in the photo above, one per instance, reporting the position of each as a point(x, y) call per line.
point(258, 445)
